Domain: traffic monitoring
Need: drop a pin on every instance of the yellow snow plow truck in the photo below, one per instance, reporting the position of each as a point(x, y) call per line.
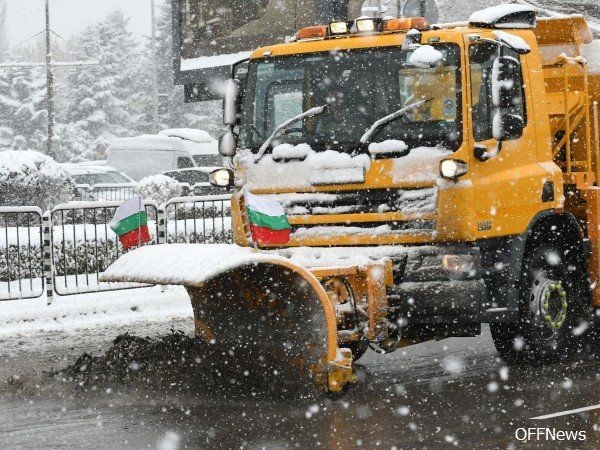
point(435, 177)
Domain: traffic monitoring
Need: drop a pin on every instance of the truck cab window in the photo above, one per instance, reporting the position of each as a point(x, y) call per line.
point(358, 87)
point(184, 162)
point(284, 101)
point(482, 58)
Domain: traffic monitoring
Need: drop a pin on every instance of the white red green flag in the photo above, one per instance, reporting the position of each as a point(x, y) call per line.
point(130, 223)
point(268, 223)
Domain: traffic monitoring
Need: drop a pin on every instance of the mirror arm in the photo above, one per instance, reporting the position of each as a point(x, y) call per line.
point(234, 66)
point(481, 152)
point(500, 44)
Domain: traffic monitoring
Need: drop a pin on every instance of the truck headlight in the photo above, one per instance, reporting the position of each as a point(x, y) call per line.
point(338, 27)
point(221, 178)
point(453, 168)
point(458, 263)
point(365, 25)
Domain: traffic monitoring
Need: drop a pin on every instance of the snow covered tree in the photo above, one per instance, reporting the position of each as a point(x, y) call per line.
point(30, 178)
point(99, 95)
point(22, 108)
point(159, 188)
point(3, 29)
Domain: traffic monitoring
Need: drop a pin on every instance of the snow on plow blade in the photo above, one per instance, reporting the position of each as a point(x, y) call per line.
point(266, 315)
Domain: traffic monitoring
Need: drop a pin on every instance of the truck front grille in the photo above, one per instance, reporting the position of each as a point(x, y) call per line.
point(413, 202)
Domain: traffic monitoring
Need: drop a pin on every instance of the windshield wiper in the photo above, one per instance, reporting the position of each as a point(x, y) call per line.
point(285, 125)
point(379, 124)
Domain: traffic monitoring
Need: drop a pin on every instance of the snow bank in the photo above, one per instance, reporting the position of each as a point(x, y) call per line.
point(420, 165)
point(187, 264)
point(108, 309)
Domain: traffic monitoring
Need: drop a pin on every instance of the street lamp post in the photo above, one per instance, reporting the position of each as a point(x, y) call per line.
point(155, 117)
point(49, 84)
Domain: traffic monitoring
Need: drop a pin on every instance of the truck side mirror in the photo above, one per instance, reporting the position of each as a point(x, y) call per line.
point(228, 143)
point(230, 102)
point(507, 127)
point(506, 89)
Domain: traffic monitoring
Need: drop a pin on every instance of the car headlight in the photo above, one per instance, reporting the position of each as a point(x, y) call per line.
point(453, 168)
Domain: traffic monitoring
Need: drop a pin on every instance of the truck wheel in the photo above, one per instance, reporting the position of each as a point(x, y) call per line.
point(554, 309)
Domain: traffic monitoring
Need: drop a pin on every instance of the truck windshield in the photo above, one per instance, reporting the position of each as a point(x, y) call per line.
point(359, 87)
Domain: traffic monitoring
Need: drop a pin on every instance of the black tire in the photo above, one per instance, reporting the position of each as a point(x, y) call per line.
point(555, 313)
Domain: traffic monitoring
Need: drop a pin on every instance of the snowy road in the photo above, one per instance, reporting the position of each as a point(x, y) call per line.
point(431, 395)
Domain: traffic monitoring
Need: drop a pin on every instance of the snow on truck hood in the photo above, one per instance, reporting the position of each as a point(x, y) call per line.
point(273, 171)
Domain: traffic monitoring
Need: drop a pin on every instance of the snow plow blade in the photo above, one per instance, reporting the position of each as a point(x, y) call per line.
point(262, 314)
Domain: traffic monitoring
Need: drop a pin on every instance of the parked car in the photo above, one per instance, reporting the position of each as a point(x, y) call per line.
point(100, 182)
point(195, 180)
point(147, 155)
point(84, 173)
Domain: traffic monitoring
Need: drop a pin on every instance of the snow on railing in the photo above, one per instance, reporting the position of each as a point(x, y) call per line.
point(21, 252)
point(76, 243)
point(122, 192)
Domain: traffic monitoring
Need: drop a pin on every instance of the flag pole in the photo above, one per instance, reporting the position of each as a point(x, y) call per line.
point(255, 248)
point(140, 223)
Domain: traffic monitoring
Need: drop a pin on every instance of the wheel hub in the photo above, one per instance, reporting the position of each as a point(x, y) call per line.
point(550, 302)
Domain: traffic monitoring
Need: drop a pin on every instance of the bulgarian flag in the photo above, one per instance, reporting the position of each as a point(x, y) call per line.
point(268, 222)
point(131, 223)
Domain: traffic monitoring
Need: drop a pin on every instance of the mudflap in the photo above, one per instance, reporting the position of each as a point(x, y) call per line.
point(272, 320)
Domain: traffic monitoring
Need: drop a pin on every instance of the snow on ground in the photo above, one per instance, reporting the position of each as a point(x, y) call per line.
point(28, 318)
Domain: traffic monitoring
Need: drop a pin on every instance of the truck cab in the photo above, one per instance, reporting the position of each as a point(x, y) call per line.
point(445, 148)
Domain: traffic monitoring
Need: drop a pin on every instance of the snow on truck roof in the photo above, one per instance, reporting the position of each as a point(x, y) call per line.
point(504, 16)
point(151, 142)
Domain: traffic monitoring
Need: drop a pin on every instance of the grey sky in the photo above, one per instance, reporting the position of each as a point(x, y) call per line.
point(26, 17)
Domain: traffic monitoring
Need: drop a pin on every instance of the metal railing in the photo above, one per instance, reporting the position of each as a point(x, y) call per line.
point(198, 220)
point(21, 253)
point(65, 251)
point(121, 192)
point(83, 245)
point(104, 192)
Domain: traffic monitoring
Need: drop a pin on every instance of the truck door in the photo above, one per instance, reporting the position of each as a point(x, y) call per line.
point(505, 175)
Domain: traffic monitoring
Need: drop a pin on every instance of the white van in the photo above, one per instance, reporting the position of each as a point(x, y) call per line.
point(146, 155)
